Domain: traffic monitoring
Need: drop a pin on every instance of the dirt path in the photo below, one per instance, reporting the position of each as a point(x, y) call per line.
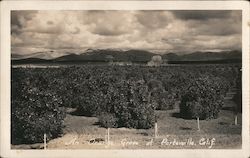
point(84, 133)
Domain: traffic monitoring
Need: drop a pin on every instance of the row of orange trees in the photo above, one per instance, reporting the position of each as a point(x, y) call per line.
point(124, 96)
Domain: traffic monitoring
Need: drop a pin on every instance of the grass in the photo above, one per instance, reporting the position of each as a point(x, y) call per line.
point(80, 130)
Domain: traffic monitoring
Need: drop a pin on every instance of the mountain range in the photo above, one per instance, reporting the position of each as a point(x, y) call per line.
point(117, 55)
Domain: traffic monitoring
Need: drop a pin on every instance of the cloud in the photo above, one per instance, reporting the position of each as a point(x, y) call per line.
point(108, 23)
point(154, 19)
point(222, 27)
point(76, 30)
point(108, 30)
point(50, 22)
point(19, 20)
point(180, 31)
point(201, 14)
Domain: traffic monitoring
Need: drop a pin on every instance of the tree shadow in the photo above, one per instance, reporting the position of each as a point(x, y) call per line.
point(176, 115)
point(97, 123)
point(80, 113)
point(179, 115)
point(185, 128)
point(223, 123)
point(143, 133)
point(228, 108)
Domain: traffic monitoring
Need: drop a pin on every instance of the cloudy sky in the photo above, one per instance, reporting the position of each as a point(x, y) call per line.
point(157, 31)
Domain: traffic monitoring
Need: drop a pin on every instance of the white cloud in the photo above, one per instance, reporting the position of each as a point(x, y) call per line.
point(150, 30)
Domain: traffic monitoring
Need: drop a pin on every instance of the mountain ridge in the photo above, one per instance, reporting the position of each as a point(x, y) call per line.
point(132, 55)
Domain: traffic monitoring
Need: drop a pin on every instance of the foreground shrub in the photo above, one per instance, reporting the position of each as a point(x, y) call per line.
point(131, 105)
point(124, 95)
point(35, 110)
point(92, 95)
point(203, 99)
point(238, 96)
point(159, 97)
point(117, 101)
point(237, 99)
point(126, 104)
point(167, 101)
point(107, 120)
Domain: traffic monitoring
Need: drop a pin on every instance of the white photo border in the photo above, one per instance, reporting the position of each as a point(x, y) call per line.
point(5, 100)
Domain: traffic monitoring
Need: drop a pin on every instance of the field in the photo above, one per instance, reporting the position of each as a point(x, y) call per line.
point(76, 106)
point(81, 130)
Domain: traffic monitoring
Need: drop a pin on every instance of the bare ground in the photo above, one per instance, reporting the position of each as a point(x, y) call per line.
point(173, 132)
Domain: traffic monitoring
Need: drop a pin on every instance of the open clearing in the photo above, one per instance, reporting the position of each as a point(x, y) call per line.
point(173, 132)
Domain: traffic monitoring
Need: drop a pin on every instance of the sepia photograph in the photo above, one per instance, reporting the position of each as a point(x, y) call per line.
point(140, 79)
point(126, 79)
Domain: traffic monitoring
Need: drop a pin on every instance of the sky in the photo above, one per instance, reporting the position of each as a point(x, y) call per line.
point(157, 31)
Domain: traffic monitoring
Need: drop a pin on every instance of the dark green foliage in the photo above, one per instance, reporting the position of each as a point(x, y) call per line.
point(107, 120)
point(202, 99)
point(167, 101)
point(115, 92)
point(119, 96)
point(35, 109)
point(238, 97)
point(127, 101)
point(141, 112)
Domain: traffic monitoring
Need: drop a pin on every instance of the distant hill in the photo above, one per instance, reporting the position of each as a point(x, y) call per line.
point(108, 55)
point(205, 56)
point(30, 61)
point(171, 57)
point(16, 56)
point(47, 55)
point(137, 56)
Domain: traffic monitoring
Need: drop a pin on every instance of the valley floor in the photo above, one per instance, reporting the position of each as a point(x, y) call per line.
point(173, 132)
